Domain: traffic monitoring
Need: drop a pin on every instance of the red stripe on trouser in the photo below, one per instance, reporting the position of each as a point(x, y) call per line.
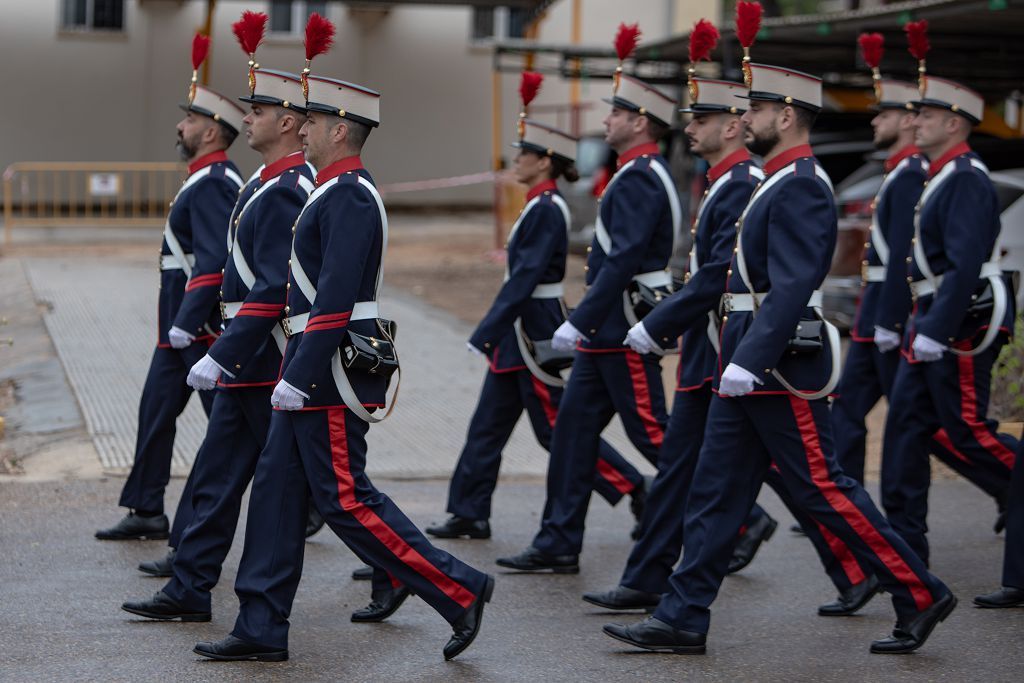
point(642, 394)
point(969, 413)
point(377, 526)
point(942, 438)
point(846, 560)
point(604, 470)
point(849, 512)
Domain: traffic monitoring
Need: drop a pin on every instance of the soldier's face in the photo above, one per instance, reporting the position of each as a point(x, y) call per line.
point(261, 126)
point(619, 127)
point(527, 167)
point(314, 134)
point(704, 134)
point(761, 129)
point(190, 134)
point(886, 125)
point(934, 128)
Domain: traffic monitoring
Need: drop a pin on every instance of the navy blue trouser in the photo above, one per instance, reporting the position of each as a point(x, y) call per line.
point(951, 393)
point(1013, 558)
point(325, 451)
point(656, 552)
point(503, 398)
point(220, 475)
point(868, 374)
point(744, 437)
point(164, 396)
point(601, 385)
point(183, 513)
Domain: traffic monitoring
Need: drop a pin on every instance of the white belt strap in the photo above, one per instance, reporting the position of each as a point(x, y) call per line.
point(548, 290)
point(750, 302)
point(990, 270)
point(814, 301)
point(362, 310)
point(171, 262)
point(872, 273)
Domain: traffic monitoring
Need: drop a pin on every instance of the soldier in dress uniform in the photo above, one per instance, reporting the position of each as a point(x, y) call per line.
point(191, 259)
point(638, 220)
point(962, 317)
point(1011, 594)
point(884, 305)
point(715, 134)
point(243, 363)
point(771, 407)
point(529, 307)
point(324, 405)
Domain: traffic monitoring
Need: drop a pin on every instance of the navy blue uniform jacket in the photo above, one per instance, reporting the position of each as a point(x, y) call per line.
point(788, 236)
point(635, 210)
point(959, 225)
point(887, 304)
point(338, 241)
point(199, 219)
point(536, 255)
point(263, 231)
point(731, 183)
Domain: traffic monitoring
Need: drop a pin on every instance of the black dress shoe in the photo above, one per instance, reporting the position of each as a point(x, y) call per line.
point(851, 599)
point(533, 560)
point(314, 521)
point(460, 527)
point(466, 627)
point(909, 637)
point(797, 529)
point(364, 573)
point(623, 598)
point(382, 605)
point(232, 649)
point(756, 534)
point(657, 636)
point(163, 568)
point(1004, 597)
point(132, 526)
point(164, 608)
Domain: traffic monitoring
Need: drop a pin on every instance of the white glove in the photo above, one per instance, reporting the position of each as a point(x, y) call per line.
point(287, 397)
point(472, 349)
point(204, 374)
point(565, 337)
point(179, 338)
point(640, 340)
point(736, 381)
point(886, 340)
point(927, 349)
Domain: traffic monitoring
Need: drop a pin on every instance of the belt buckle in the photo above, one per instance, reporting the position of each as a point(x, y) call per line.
point(726, 304)
point(864, 272)
point(286, 327)
point(223, 311)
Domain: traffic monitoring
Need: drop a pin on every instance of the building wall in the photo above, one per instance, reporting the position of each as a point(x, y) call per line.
point(114, 97)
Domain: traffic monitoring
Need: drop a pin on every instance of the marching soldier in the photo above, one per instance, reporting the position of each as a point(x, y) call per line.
point(639, 217)
point(884, 305)
point(244, 362)
point(335, 373)
point(528, 308)
point(191, 259)
point(770, 405)
point(963, 315)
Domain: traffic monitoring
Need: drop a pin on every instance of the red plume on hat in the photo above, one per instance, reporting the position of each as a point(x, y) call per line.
point(918, 46)
point(200, 48)
point(249, 31)
point(319, 38)
point(748, 23)
point(529, 86)
point(871, 49)
point(626, 41)
point(703, 39)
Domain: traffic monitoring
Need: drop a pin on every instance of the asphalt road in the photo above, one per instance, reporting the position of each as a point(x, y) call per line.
point(60, 592)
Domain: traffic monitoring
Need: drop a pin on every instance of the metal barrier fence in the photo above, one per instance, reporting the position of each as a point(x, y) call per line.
point(88, 193)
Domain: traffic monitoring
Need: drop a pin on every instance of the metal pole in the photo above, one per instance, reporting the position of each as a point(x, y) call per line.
point(574, 86)
point(211, 6)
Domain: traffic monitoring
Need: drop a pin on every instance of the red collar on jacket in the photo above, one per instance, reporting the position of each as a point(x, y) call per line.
point(540, 188)
point(962, 148)
point(723, 166)
point(338, 167)
point(638, 151)
point(896, 157)
point(787, 157)
point(281, 165)
point(204, 161)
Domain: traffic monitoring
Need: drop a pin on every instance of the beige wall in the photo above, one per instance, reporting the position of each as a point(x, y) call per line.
point(113, 98)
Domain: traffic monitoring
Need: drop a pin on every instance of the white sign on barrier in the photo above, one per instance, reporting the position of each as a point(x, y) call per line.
point(104, 184)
